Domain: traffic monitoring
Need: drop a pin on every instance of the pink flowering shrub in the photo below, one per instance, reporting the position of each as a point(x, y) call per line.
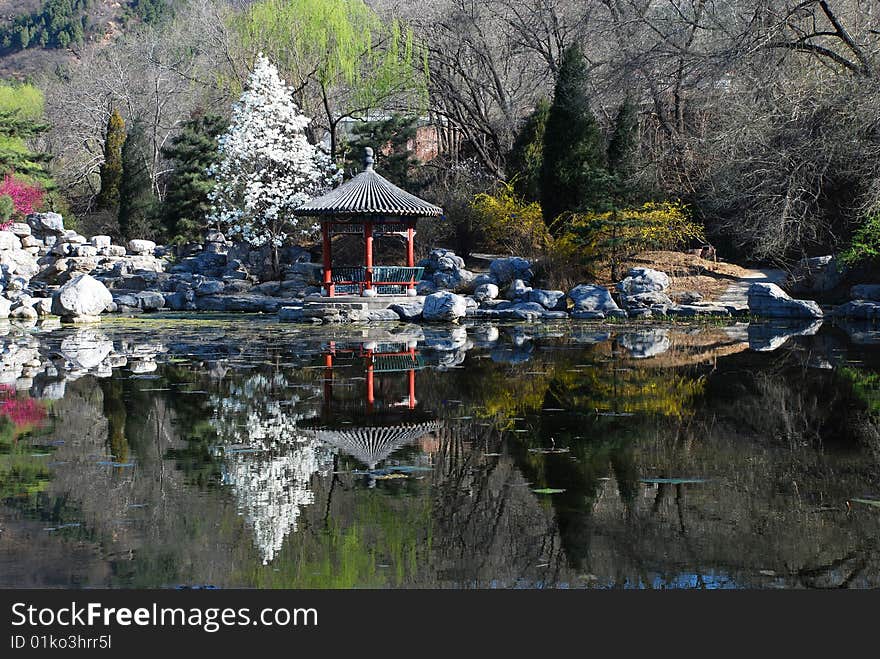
point(24, 413)
point(26, 197)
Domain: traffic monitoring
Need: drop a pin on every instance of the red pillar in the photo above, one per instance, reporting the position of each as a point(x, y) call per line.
point(328, 378)
point(410, 251)
point(412, 389)
point(368, 253)
point(371, 393)
point(328, 277)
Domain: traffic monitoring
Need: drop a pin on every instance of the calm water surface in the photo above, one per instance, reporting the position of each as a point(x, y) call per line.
point(239, 452)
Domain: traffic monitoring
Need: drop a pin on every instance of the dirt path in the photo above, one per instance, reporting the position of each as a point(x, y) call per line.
point(736, 294)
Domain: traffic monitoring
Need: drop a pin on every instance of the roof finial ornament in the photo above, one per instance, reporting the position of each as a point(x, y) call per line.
point(368, 158)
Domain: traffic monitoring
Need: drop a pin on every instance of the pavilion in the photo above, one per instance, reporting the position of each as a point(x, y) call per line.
point(369, 205)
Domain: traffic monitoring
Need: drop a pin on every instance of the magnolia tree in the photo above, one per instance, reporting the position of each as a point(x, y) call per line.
point(267, 166)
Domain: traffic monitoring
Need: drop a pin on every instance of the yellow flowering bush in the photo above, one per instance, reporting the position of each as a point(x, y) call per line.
point(618, 234)
point(509, 224)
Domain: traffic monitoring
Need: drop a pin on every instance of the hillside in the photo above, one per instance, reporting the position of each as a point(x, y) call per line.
point(37, 35)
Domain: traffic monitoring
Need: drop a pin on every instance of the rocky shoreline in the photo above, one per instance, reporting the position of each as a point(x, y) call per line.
point(48, 270)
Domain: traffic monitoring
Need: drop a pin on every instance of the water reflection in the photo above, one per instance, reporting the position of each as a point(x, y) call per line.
point(239, 452)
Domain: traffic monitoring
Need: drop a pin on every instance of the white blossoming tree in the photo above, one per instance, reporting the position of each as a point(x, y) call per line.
point(267, 166)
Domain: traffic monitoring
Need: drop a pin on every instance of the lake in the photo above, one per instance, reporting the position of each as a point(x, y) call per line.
point(233, 451)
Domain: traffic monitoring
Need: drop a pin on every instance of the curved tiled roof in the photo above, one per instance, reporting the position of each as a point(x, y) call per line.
point(368, 193)
point(373, 444)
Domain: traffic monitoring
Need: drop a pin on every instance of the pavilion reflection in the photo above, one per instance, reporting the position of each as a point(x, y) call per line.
point(369, 409)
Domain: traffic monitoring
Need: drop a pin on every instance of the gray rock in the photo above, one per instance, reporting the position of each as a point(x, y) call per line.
point(409, 311)
point(112, 251)
point(9, 240)
point(73, 238)
point(865, 292)
point(646, 300)
point(550, 300)
point(150, 300)
point(484, 278)
point(770, 301)
point(382, 316)
point(100, 242)
point(19, 262)
point(81, 296)
point(210, 287)
point(141, 247)
point(290, 314)
point(425, 287)
point(245, 303)
point(5, 306)
point(486, 291)
point(643, 280)
point(859, 310)
point(686, 297)
point(20, 229)
point(43, 306)
point(586, 314)
point(85, 250)
point(505, 270)
point(444, 306)
point(691, 310)
point(589, 297)
point(24, 312)
point(518, 290)
point(126, 300)
point(181, 301)
point(46, 222)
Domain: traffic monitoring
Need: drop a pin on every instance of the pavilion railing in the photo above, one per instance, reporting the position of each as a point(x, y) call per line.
point(386, 279)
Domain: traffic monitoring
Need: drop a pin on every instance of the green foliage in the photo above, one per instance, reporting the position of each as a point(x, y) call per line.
point(136, 201)
point(389, 138)
point(357, 61)
point(624, 140)
point(21, 112)
point(192, 152)
point(865, 244)
point(865, 385)
point(7, 208)
point(573, 174)
point(618, 234)
point(509, 224)
point(57, 24)
point(151, 12)
point(111, 169)
point(526, 158)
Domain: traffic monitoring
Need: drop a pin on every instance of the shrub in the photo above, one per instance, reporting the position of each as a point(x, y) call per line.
point(26, 197)
point(865, 244)
point(7, 208)
point(619, 234)
point(509, 224)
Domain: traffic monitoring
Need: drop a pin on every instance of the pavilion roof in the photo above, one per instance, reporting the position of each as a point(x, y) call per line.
point(371, 445)
point(368, 193)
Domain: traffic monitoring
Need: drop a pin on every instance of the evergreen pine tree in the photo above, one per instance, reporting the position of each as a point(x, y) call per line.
point(136, 200)
point(573, 174)
point(15, 156)
point(527, 155)
point(389, 138)
point(192, 151)
point(111, 170)
point(624, 140)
